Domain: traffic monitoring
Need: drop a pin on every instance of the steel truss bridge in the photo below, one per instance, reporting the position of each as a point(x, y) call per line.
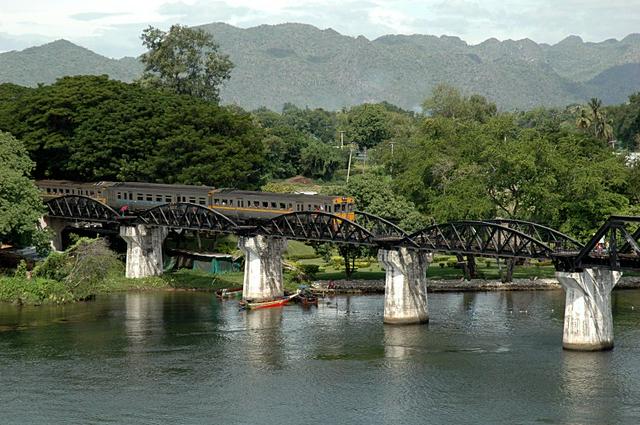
point(489, 238)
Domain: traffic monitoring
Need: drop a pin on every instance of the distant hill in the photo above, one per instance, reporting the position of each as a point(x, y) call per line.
point(307, 66)
point(46, 63)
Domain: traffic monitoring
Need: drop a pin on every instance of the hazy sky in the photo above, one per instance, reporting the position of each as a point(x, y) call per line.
point(112, 27)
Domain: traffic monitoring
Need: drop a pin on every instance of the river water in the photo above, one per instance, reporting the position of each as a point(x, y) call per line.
point(187, 358)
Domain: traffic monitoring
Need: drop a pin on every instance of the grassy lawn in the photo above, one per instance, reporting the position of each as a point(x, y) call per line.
point(180, 279)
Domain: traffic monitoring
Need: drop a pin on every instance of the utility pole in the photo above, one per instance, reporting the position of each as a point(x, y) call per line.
point(364, 163)
point(341, 139)
point(349, 165)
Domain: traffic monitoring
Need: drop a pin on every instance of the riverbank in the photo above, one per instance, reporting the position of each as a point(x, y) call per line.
point(37, 291)
point(376, 286)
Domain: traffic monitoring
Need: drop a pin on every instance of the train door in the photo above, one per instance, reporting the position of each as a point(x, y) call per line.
point(239, 208)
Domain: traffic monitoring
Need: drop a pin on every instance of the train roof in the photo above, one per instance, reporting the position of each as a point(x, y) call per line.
point(291, 196)
point(186, 187)
point(141, 185)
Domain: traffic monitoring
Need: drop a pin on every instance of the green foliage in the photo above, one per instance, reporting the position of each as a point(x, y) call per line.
point(21, 270)
point(33, 291)
point(550, 173)
point(82, 268)
point(367, 125)
point(320, 161)
point(20, 203)
point(376, 195)
point(91, 128)
point(310, 270)
point(184, 60)
point(626, 119)
point(448, 102)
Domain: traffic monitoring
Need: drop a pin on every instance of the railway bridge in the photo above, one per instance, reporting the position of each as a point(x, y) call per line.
point(587, 272)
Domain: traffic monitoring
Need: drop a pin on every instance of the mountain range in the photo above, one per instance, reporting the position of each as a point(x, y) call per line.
point(307, 66)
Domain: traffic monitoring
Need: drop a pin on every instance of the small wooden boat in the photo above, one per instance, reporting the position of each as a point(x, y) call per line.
point(229, 292)
point(279, 302)
point(307, 299)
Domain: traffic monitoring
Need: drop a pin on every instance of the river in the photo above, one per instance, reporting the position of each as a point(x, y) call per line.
point(187, 358)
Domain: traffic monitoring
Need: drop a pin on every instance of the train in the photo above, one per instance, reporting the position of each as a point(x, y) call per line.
point(238, 205)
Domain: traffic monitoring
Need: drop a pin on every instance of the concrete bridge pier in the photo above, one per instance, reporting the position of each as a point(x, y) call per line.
point(588, 321)
point(56, 226)
point(405, 292)
point(144, 250)
point(262, 267)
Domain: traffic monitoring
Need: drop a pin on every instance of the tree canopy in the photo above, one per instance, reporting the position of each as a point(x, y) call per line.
point(20, 203)
point(92, 128)
point(184, 60)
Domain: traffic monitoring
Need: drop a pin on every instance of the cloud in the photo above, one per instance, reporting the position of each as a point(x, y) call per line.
point(92, 16)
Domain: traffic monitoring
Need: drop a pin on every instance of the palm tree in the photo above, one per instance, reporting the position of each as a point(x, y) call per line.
point(594, 120)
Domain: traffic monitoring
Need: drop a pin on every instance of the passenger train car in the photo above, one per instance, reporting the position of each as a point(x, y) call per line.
point(239, 205)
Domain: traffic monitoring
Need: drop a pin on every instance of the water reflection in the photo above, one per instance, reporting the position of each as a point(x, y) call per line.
point(586, 381)
point(401, 342)
point(143, 320)
point(264, 338)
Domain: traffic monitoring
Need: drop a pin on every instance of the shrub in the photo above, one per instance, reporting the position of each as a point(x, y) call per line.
point(309, 269)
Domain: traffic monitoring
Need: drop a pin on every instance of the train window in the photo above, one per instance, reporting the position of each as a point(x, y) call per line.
point(256, 203)
point(274, 205)
point(167, 199)
point(265, 204)
point(66, 190)
point(192, 199)
point(139, 196)
point(158, 198)
point(283, 206)
point(149, 197)
point(48, 190)
point(290, 206)
point(92, 193)
point(202, 201)
point(241, 203)
point(216, 202)
point(119, 195)
point(230, 201)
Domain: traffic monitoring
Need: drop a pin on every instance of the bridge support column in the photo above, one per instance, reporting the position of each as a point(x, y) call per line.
point(262, 267)
point(405, 292)
point(144, 250)
point(588, 321)
point(56, 226)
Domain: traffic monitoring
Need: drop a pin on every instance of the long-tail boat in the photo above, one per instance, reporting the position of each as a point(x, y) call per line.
point(278, 302)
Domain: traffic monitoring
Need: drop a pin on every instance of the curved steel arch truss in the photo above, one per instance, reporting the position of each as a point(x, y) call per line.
point(556, 240)
point(318, 226)
point(81, 208)
point(479, 238)
point(188, 216)
point(615, 245)
point(379, 226)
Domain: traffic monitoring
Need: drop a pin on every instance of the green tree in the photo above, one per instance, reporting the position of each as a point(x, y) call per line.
point(375, 194)
point(448, 102)
point(92, 128)
point(593, 120)
point(367, 125)
point(185, 61)
point(320, 161)
point(20, 203)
